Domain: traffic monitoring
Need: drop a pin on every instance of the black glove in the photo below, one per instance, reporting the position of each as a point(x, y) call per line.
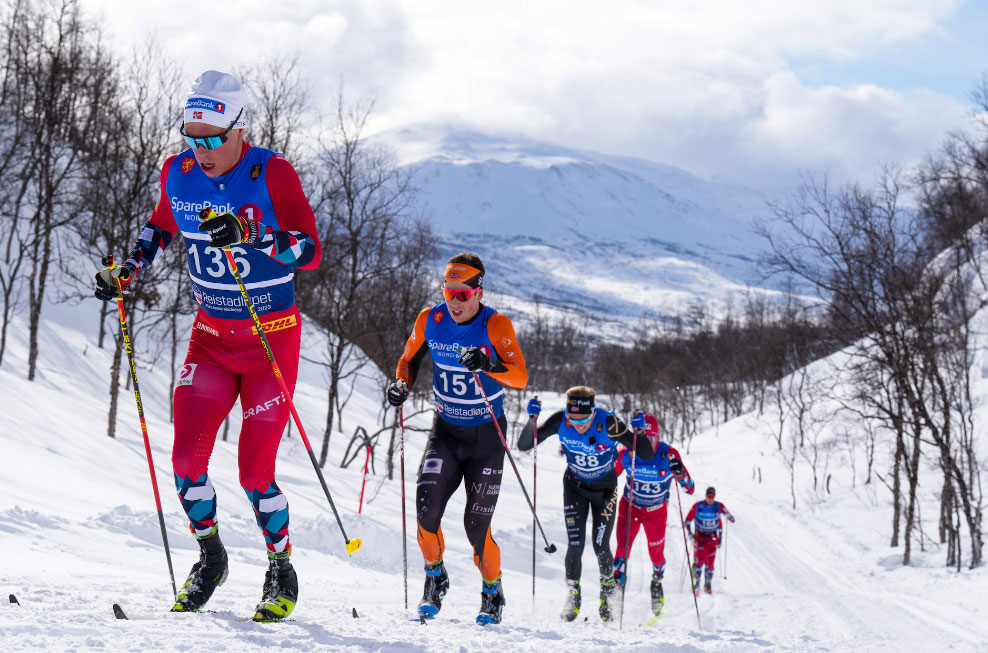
point(397, 393)
point(474, 358)
point(229, 229)
point(689, 530)
point(107, 278)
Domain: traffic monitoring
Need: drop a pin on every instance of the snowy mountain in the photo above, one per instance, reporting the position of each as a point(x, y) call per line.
point(617, 238)
point(79, 532)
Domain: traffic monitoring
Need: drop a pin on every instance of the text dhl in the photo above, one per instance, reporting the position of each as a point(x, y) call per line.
point(277, 325)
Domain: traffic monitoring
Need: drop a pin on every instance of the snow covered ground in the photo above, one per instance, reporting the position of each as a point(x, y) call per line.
point(79, 532)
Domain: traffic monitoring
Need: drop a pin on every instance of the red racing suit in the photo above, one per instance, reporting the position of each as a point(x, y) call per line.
point(226, 359)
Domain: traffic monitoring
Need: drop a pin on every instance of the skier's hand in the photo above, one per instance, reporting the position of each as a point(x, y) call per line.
point(689, 530)
point(730, 518)
point(108, 278)
point(689, 486)
point(534, 407)
point(638, 420)
point(229, 229)
point(397, 393)
point(474, 359)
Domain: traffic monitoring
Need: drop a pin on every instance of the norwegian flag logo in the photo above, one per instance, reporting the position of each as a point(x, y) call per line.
point(197, 115)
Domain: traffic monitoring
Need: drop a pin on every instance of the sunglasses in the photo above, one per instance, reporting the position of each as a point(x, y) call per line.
point(462, 295)
point(209, 142)
point(580, 421)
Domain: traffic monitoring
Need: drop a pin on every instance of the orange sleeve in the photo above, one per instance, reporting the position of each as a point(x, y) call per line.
point(408, 363)
point(502, 335)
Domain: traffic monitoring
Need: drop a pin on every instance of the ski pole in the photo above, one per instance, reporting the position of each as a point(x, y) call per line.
point(363, 484)
point(549, 548)
point(125, 273)
point(724, 540)
point(631, 516)
point(686, 547)
point(404, 532)
point(351, 545)
point(535, 491)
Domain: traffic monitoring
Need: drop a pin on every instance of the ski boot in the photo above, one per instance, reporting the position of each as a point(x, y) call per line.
point(206, 575)
point(436, 586)
point(658, 598)
point(707, 588)
point(572, 606)
point(607, 589)
point(280, 589)
point(491, 603)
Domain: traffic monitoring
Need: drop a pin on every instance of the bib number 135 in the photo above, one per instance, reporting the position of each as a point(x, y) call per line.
point(216, 266)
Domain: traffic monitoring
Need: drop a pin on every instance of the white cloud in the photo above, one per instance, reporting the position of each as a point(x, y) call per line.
point(707, 85)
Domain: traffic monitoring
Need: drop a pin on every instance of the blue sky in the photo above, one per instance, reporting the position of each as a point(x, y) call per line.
point(754, 92)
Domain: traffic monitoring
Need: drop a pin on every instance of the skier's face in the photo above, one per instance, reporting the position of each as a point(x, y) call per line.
point(462, 310)
point(220, 160)
point(710, 499)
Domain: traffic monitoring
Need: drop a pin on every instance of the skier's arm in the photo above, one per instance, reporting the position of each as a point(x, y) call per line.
point(549, 428)
point(509, 369)
point(679, 470)
point(619, 431)
point(619, 462)
point(415, 350)
point(296, 242)
point(158, 231)
point(727, 514)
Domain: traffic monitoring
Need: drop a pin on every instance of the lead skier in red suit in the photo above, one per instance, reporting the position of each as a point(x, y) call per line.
point(266, 220)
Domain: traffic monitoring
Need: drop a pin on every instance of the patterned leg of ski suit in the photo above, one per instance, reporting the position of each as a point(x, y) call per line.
point(475, 455)
point(654, 522)
point(599, 501)
point(226, 360)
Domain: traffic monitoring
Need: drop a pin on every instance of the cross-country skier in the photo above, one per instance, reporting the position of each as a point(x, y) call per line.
point(646, 505)
point(267, 222)
point(707, 538)
point(589, 437)
point(463, 336)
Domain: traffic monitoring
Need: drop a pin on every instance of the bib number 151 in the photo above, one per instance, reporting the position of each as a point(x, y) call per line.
point(458, 383)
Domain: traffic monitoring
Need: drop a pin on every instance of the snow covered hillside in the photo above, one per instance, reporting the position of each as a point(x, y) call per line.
point(79, 532)
point(614, 237)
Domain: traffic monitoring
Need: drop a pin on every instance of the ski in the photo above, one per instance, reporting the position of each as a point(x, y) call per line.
point(119, 613)
point(654, 620)
point(13, 599)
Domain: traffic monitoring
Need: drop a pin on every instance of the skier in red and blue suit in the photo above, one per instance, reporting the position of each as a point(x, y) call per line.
point(707, 538)
point(645, 503)
point(269, 226)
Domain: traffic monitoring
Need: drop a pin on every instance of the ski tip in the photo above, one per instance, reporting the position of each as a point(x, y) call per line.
point(353, 545)
point(354, 613)
point(13, 599)
point(118, 611)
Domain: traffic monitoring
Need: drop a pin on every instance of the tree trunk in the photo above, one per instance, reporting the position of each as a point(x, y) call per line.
point(111, 419)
